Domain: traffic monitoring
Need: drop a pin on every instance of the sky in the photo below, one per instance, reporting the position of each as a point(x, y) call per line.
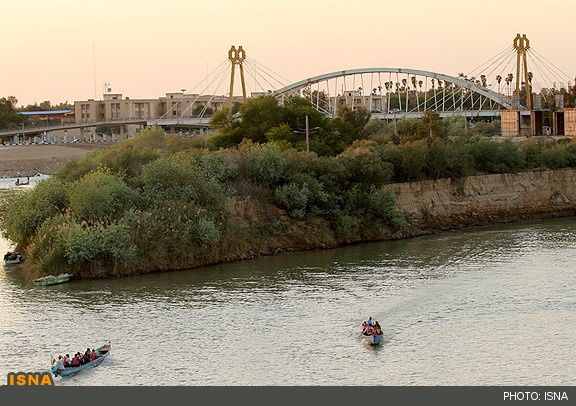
point(66, 50)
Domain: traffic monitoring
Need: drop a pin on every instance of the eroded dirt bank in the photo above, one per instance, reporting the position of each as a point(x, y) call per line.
point(446, 204)
point(431, 206)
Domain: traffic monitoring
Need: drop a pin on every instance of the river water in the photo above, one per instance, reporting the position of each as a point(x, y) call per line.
point(482, 306)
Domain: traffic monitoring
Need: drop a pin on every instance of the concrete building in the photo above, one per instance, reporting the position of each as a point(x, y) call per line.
point(115, 107)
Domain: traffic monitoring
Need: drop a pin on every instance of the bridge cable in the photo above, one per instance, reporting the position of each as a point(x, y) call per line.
point(497, 57)
point(184, 96)
point(207, 105)
point(255, 69)
point(266, 68)
point(546, 60)
point(222, 73)
point(546, 64)
point(252, 72)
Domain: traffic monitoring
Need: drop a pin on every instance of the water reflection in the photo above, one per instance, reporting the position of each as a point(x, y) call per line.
point(456, 308)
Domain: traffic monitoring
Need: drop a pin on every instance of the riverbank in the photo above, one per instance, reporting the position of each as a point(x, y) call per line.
point(28, 160)
point(477, 200)
point(443, 204)
point(431, 206)
point(156, 203)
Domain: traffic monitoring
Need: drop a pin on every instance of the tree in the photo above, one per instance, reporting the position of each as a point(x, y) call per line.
point(259, 115)
point(222, 119)
point(9, 117)
point(46, 105)
point(357, 119)
point(430, 127)
point(317, 98)
point(201, 110)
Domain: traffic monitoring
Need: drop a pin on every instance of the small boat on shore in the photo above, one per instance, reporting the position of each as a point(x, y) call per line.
point(52, 280)
point(22, 183)
point(13, 258)
point(101, 354)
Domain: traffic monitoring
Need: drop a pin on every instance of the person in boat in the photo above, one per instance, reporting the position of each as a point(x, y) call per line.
point(61, 363)
point(75, 362)
point(87, 357)
point(67, 361)
point(369, 321)
point(93, 355)
point(81, 358)
point(368, 330)
point(377, 329)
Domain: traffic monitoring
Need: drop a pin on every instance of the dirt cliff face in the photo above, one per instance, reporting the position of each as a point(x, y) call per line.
point(445, 203)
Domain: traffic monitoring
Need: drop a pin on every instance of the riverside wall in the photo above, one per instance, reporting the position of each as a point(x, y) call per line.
point(447, 204)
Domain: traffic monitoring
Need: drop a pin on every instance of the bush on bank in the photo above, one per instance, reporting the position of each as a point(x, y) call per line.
point(155, 203)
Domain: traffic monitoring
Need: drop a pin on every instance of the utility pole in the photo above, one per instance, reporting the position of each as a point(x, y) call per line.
point(236, 57)
point(306, 131)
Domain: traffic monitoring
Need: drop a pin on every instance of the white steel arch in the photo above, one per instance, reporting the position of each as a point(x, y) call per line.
point(502, 100)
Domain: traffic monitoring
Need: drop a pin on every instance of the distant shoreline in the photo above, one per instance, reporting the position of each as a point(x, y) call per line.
point(28, 160)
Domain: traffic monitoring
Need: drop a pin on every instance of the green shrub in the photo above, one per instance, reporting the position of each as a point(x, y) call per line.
point(101, 196)
point(30, 209)
point(265, 164)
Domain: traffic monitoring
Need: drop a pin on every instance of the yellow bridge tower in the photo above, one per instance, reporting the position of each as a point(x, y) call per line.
point(521, 45)
point(237, 57)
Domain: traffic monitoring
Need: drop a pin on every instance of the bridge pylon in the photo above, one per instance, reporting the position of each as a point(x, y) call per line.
point(521, 45)
point(237, 57)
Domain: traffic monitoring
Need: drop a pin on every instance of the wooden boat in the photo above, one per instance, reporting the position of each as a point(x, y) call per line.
point(13, 258)
point(372, 339)
point(101, 354)
point(52, 280)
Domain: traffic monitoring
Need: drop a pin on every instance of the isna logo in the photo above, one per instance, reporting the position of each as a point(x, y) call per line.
point(30, 379)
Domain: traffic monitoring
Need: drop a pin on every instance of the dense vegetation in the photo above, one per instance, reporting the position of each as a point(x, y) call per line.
point(157, 202)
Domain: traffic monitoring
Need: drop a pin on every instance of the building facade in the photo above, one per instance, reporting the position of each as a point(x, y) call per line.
point(178, 105)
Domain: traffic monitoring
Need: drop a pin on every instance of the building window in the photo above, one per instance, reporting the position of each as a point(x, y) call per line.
point(115, 107)
point(139, 110)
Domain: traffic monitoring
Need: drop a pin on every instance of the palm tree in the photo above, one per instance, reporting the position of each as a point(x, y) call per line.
point(509, 80)
point(405, 88)
point(420, 83)
point(498, 80)
point(443, 92)
point(434, 90)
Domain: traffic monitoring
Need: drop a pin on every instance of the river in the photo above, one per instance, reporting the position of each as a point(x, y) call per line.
point(488, 305)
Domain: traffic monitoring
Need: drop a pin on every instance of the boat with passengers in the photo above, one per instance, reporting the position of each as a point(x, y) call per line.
point(99, 355)
point(11, 258)
point(372, 332)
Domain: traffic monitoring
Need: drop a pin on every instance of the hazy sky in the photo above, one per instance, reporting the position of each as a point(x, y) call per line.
point(145, 48)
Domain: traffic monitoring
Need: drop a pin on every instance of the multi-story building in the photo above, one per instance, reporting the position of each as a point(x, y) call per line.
point(179, 105)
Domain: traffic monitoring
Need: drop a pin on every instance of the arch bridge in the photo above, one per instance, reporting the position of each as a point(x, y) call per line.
point(400, 93)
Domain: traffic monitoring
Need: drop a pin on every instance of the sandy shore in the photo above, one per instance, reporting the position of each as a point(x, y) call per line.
point(27, 160)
